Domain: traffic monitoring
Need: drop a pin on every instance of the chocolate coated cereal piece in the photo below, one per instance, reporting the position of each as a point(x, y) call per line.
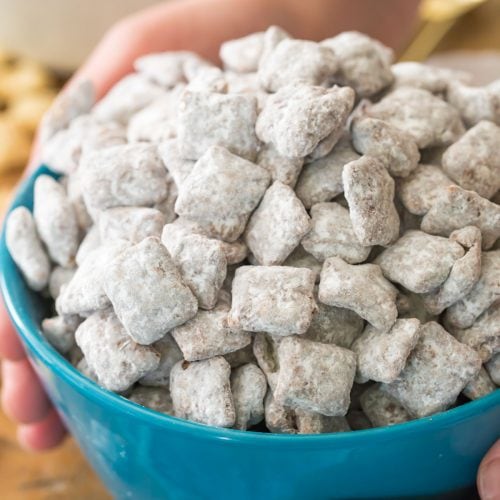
point(60, 331)
point(357, 420)
point(201, 392)
point(297, 61)
point(169, 355)
point(277, 226)
point(59, 277)
point(208, 119)
point(154, 398)
point(241, 356)
point(321, 180)
point(130, 223)
point(115, 358)
point(364, 62)
point(369, 191)
point(481, 386)
point(436, 372)
point(314, 376)
point(221, 192)
point(457, 208)
point(484, 334)
point(422, 188)
point(279, 419)
point(463, 275)
point(128, 96)
point(332, 235)
point(393, 147)
point(300, 258)
point(426, 118)
point(298, 117)
point(208, 334)
point(243, 54)
point(362, 289)
point(382, 356)
point(129, 175)
point(314, 423)
point(277, 300)
point(419, 261)
point(55, 220)
point(381, 409)
point(26, 248)
point(147, 291)
point(493, 368)
point(473, 160)
point(249, 387)
point(285, 170)
point(84, 293)
point(475, 103)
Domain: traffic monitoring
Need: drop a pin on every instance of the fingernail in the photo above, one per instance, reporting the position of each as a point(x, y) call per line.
point(489, 483)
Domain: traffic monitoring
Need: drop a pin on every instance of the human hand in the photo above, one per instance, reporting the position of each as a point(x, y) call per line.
point(488, 477)
point(200, 26)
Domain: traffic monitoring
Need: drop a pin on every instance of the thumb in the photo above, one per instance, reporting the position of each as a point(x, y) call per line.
point(488, 477)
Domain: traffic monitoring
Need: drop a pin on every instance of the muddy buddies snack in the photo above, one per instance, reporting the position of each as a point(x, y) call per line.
point(242, 248)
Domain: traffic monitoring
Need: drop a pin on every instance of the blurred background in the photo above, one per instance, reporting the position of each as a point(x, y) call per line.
point(462, 34)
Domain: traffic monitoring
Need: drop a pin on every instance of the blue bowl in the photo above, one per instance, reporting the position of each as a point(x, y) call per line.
point(142, 454)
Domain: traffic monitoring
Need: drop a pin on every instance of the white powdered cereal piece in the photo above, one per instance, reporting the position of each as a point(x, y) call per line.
point(211, 119)
point(308, 422)
point(437, 371)
point(209, 79)
point(314, 376)
point(75, 196)
point(424, 76)
point(297, 61)
point(473, 162)
point(203, 266)
point(419, 261)
point(422, 188)
point(332, 235)
point(178, 167)
point(279, 419)
point(221, 192)
point(208, 334)
point(249, 386)
point(300, 258)
point(463, 275)
point(130, 175)
point(116, 359)
point(475, 103)
point(130, 223)
point(147, 291)
point(241, 356)
point(277, 226)
point(369, 191)
point(60, 331)
point(285, 170)
point(298, 117)
point(382, 356)
point(55, 220)
point(90, 242)
point(265, 350)
point(381, 409)
point(276, 299)
point(170, 354)
point(457, 208)
point(493, 368)
point(321, 180)
point(362, 289)
point(59, 277)
point(243, 54)
point(201, 392)
point(128, 96)
point(479, 387)
point(84, 293)
point(364, 62)
point(393, 147)
point(426, 118)
point(484, 334)
point(26, 248)
point(83, 367)
point(154, 398)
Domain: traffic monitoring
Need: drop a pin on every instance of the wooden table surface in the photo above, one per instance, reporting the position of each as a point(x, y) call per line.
point(64, 473)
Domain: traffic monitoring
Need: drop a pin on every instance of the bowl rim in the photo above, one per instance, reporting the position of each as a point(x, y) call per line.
point(10, 287)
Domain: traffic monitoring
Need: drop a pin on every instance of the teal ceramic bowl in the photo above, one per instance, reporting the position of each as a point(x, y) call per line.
point(141, 454)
